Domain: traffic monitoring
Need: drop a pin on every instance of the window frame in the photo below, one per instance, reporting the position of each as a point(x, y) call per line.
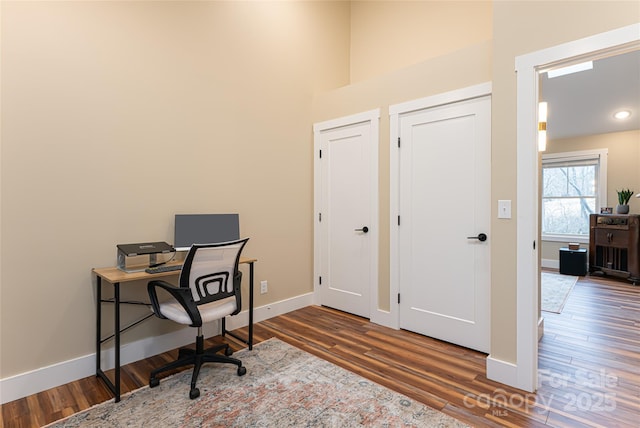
point(598, 155)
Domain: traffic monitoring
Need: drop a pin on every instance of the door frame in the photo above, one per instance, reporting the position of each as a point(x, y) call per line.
point(392, 317)
point(373, 117)
point(524, 373)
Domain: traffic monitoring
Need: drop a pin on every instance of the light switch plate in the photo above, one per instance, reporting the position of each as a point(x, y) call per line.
point(504, 209)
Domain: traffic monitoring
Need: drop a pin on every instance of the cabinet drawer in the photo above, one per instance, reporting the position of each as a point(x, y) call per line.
point(612, 238)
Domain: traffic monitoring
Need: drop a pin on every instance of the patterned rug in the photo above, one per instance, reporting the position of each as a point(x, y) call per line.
point(284, 387)
point(555, 289)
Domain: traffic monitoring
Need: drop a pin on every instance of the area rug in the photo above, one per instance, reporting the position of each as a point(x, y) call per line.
point(555, 289)
point(284, 387)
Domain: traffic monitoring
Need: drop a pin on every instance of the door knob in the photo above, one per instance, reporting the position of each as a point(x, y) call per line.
point(365, 229)
point(481, 237)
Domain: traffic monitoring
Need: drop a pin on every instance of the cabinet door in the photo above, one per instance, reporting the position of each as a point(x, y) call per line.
point(612, 238)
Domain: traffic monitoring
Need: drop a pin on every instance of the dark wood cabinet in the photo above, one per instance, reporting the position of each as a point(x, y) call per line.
point(614, 245)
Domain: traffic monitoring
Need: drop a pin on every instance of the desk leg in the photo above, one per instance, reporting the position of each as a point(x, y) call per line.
point(116, 295)
point(250, 306)
point(98, 323)
point(114, 387)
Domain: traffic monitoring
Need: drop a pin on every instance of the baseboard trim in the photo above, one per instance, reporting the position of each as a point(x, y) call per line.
point(270, 310)
point(32, 382)
point(550, 263)
point(502, 371)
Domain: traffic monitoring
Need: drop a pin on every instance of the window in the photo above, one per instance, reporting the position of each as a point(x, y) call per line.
point(574, 185)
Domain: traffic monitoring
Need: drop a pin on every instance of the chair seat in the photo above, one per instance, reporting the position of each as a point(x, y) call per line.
point(209, 311)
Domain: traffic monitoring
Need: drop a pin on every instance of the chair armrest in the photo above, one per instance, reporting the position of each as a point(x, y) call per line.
point(180, 294)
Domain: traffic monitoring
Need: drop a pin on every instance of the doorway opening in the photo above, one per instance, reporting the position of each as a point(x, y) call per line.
point(528, 234)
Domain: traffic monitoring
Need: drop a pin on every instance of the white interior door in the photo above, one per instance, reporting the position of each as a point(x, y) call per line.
point(346, 224)
point(444, 206)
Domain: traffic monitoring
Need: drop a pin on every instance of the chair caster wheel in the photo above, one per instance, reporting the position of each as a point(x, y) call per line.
point(228, 351)
point(153, 382)
point(194, 393)
point(242, 371)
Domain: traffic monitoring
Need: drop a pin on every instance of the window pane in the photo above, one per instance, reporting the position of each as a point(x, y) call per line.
point(581, 180)
point(569, 181)
point(554, 182)
point(567, 216)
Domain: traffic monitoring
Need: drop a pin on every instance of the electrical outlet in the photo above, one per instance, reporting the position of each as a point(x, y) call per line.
point(264, 287)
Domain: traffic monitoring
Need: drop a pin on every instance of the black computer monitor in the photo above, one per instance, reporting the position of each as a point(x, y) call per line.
point(204, 229)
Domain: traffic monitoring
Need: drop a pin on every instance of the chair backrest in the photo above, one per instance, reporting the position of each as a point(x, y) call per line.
point(209, 270)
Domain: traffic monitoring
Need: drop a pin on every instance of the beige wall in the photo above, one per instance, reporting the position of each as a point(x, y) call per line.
point(521, 27)
point(117, 115)
point(391, 35)
point(95, 93)
point(623, 170)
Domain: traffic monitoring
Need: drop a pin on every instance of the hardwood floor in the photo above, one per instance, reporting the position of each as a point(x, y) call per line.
point(589, 363)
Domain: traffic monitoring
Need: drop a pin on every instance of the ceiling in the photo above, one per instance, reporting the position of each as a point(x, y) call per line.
point(584, 103)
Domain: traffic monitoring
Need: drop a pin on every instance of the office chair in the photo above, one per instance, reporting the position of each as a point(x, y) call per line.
point(209, 290)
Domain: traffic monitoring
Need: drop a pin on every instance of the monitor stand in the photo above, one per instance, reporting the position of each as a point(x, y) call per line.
point(125, 263)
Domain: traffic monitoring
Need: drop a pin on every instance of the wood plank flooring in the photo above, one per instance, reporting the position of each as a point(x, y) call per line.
point(589, 363)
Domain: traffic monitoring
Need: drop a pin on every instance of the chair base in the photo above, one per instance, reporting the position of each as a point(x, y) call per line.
point(197, 358)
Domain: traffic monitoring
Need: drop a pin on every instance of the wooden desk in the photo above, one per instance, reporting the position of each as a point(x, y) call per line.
point(115, 277)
